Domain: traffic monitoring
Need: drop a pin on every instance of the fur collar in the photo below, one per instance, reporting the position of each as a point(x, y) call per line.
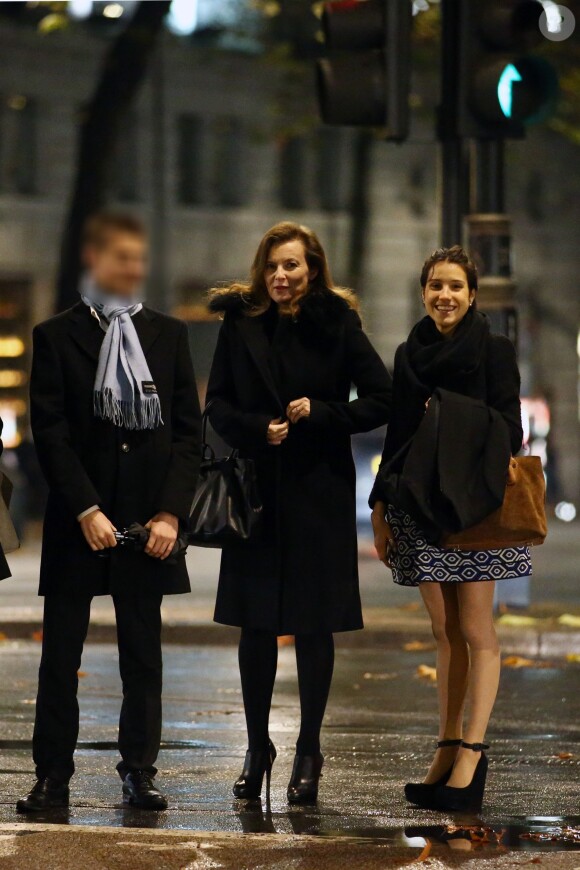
point(321, 312)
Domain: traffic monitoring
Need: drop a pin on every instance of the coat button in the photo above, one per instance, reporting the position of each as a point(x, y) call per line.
point(125, 447)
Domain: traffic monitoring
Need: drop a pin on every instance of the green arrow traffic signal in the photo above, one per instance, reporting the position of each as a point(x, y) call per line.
point(503, 87)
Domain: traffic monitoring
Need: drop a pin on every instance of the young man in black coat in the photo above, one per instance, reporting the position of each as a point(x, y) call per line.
point(116, 423)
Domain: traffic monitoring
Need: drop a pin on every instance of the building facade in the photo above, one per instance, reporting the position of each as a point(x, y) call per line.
point(220, 146)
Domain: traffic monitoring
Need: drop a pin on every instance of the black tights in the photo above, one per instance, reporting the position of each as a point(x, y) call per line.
point(258, 657)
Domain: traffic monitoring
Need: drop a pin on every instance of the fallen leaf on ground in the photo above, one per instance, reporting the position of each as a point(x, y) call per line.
point(426, 672)
point(517, 662)
point(413, 605)
point(37, 635)
point(426, 852)
point(569, 619)
point(516, 620)
point(81, 674)
point(286, 640)
point(413, 645)
point(564, 756)
point(3, 636)
point(521, 662)
point(573, 657)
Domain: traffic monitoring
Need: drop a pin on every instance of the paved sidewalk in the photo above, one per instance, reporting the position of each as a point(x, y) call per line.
point(378, 734)
point(391, 612)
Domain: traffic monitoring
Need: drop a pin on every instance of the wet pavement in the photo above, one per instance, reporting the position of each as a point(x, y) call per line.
point(378, 734)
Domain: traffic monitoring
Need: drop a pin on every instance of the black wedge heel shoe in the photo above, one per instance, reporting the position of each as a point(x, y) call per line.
point(421, 793)
point(256, 765)
point(306, 773)
point(447, 797)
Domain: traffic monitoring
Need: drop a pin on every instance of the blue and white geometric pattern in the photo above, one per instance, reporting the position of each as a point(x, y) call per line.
point(416, 561)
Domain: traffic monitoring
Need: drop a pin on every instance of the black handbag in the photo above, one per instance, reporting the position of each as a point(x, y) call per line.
point(226, 508)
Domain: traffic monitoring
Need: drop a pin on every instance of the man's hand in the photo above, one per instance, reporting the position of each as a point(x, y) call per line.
point(385, 543)
point(99, 532)
point(277, 431)
point(297, 409)
point(163, 528)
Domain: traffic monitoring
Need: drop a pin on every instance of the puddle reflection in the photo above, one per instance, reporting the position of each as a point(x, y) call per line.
point(465, 834)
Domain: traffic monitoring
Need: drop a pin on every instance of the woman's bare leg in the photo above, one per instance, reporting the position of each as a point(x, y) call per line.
point(442, 604)
point(477, 627)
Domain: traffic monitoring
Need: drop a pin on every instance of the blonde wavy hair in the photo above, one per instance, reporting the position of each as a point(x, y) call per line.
point(255, 292)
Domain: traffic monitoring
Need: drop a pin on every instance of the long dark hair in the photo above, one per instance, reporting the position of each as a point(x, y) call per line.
point(255, 291)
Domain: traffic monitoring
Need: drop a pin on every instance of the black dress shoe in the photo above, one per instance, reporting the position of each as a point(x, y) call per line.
point(46, 794)
point(422, 793)
point(257, 764)
point(140, 792)
point(306, 773)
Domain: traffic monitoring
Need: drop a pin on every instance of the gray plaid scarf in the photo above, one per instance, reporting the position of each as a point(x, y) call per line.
point(124, 392)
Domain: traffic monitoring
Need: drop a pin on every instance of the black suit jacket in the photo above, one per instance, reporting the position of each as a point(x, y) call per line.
point(131, 475)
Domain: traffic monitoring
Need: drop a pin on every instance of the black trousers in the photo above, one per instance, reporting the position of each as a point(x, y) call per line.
point(66, 621)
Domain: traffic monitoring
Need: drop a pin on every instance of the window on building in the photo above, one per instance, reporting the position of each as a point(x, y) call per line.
point(18, 145)
point(15, 298)
point(230, 179)
point(293, 172)
point(190, 146)
point(332, 176)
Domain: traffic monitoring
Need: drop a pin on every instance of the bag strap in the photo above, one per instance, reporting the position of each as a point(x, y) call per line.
point(207, 450)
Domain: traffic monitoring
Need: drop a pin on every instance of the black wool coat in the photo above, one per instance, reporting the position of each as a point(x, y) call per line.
point(300, 575)
point(131, 475)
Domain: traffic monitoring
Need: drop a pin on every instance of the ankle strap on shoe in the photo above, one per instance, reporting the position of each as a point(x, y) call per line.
point(477, 747)
point(442, 743)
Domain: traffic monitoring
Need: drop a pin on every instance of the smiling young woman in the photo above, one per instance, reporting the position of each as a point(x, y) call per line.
point(452, 348)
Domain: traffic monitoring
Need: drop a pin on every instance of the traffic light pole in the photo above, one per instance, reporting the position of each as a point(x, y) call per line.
point(454, 175)
point(487, 191)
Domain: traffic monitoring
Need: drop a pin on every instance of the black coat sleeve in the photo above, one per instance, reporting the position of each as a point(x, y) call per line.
point(60, 463)
point(242, 430)
point(179, 487)
point(367, 372)
point(503, 387)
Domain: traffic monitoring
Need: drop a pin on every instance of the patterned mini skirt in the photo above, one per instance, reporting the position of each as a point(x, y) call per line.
point(416, 561)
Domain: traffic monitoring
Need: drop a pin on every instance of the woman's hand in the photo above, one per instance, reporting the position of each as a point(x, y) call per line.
point(385, 543)
point(297, 409)
point(99, 531)
point(163, 528)
point(277, 431)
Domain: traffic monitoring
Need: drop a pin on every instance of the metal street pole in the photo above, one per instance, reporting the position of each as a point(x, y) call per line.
point(490, 237)
point(454, 171)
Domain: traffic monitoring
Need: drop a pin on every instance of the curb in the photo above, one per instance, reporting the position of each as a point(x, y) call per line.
point(544, 642)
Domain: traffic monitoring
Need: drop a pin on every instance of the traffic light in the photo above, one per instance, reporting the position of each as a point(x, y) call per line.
point(364, 81)
point(501, 86)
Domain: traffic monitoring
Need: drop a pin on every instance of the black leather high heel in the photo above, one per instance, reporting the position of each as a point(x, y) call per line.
point(256, 765)
point(421, 793)
point(306, 773)
point(448, 797)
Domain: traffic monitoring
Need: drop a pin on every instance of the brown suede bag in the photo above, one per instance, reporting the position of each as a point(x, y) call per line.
point(520, 520)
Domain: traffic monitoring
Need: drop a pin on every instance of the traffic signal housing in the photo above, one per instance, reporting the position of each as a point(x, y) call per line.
point(364, 81)
point(501, 85)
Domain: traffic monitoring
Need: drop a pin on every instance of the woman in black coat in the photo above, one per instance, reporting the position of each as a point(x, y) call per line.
point(452, 348)
point(289, 348)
